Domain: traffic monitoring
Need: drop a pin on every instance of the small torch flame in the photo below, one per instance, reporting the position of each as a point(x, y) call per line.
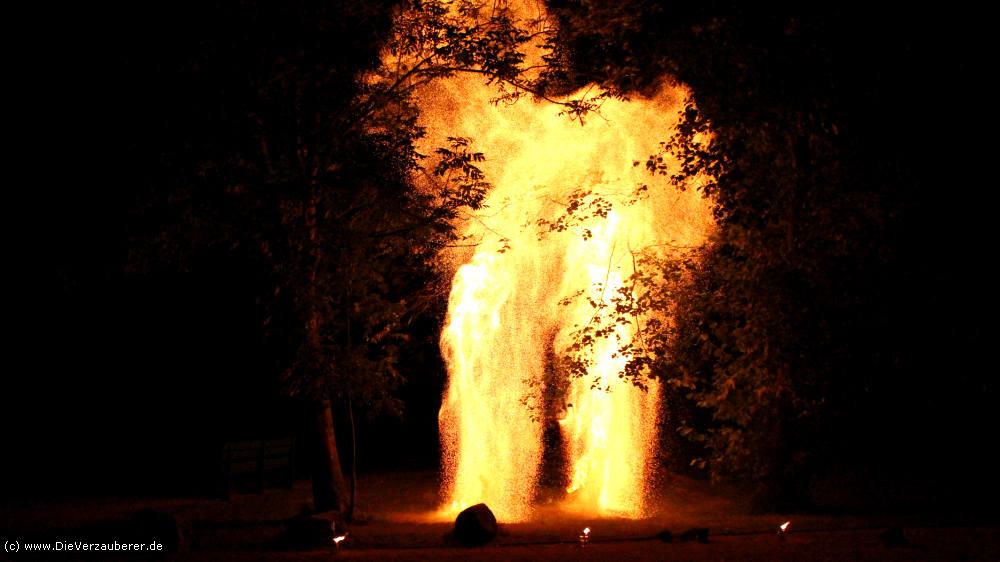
point(339, 539)
point(586, 530)
point(782, 530)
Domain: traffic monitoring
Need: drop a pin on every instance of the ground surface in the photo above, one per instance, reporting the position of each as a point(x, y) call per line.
point(402, 526)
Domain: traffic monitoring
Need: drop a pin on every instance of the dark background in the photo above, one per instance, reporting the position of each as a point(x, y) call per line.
point(124, 383)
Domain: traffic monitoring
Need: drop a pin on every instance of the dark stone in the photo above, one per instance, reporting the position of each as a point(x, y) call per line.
point(148, 525)
point(699, 534)
point(475, 526)
point(665, 535)
point(893, 537)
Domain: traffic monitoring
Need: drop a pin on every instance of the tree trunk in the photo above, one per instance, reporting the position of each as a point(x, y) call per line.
point(354, 463)
point(330, 492)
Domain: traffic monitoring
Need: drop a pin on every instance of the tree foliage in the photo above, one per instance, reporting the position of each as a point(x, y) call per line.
point(288, 135)
point(790, 351)
point(304, 160)
point(297, 149)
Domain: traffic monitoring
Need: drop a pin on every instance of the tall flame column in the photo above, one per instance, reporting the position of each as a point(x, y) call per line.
point(490, 426)
point(507, 315)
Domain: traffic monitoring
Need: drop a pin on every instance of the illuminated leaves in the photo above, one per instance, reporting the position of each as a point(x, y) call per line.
point(436, 39)
point(583, 207)
point(699, 161)
point(641, 308)
point(464, 183)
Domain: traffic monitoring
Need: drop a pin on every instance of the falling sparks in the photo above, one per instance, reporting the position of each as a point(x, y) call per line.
point(552, 248)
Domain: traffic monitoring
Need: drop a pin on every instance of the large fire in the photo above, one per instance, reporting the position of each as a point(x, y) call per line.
point(523, 288)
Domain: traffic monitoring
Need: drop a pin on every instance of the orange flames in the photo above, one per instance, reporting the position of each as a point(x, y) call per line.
point(521, 291)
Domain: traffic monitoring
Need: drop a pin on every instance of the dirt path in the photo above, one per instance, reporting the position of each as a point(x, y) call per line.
point(403, 526)
point(928, 544)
